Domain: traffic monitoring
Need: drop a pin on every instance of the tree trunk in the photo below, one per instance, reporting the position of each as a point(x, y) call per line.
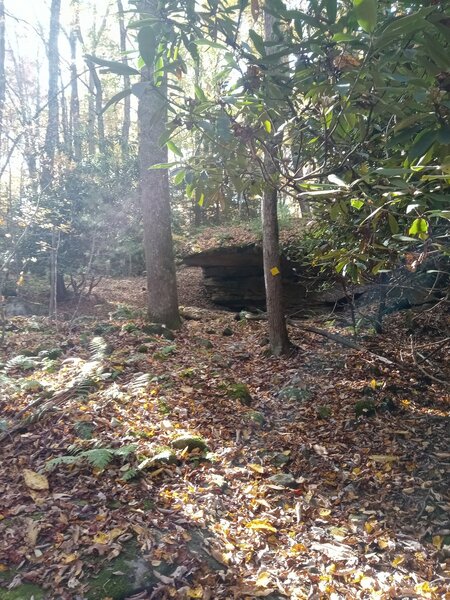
point(2, 66)
point(51, 136)
point(155, 199)
point(126, 124)
point(74, 118)
point(278, 335)
point(98, 93)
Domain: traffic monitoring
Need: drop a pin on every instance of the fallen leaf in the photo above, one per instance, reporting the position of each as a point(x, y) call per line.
point(256, 468)
point(383, 458)
point(35, 481)
point(262, 524)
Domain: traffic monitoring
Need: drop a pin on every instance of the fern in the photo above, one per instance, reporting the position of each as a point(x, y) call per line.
point(138, 383)
point(99, 458)
point(22, 362)
point(99, 348)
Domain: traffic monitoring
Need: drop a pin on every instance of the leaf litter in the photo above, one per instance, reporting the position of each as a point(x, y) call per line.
point(361, 512)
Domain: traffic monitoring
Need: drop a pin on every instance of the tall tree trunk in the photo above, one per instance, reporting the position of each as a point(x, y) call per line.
point(278, 335)
point(74, 118)
point(126, 123)
point(2, 66)
point(155, 198)
point(51, 141)
point(51, 136)
point(98, 94)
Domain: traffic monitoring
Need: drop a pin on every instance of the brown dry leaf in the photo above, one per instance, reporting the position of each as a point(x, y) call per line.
point(32, 531)
point(35, 481)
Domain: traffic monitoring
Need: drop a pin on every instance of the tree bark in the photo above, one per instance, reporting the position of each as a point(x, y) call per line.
point(278, 335)
point(2, 66)
point(74, 118)
point(126, 123)
point(51, 136)
point(155, 198)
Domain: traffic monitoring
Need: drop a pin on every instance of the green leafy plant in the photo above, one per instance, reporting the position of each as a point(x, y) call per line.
point(99, 458)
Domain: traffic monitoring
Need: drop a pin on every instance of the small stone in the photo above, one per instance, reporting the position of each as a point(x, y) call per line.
point(295, 393)
point(283, 479)
point(191, 442)
point(227, 332)
point(280, 459)
point(165, 457)
point(204, 343)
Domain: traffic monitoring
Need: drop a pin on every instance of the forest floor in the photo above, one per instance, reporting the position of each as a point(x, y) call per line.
point(201, 467)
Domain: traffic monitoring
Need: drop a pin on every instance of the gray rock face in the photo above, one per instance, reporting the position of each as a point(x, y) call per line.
point(283, 479)
point(19, 307)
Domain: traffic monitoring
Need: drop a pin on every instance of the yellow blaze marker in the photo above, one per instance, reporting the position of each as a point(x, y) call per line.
point(275, 271)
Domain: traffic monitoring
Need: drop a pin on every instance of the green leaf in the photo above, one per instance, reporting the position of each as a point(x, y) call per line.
point(422, 143)
point(393, 225)
point(267, 126)
point(179, 177)
point(147, 45)
point(210, 44)
point(358, 204)
point(258, 42)
point(174, 148)
point(199, 93)
point(162, 166)
point(201, 200)
point(116, 98)
point(438, 54)
point(443, 214)
point(113, 66)
point(418, 227)
point(366, 14)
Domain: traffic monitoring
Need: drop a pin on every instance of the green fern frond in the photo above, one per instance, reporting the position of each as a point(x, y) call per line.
point(99, 458)
point(99, 348)
point(130, 474)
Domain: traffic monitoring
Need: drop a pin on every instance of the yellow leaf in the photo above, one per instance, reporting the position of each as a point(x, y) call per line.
point(263, 579)
point(275, 271)
point(268, 126)
point(383, 458)
point(437, 541)
point(68, 558)
point(383, 543)
point(101, 538)
point(369, 526)
point(256, 468)
point(262, 524)
point(34, 481)
point(3, 568)
point(202, 199)
point(298, 548)
point(373, 384)
point(324, 512)
point(196, 592)
point(424, 588)
point(338, 532)
point(398, 560)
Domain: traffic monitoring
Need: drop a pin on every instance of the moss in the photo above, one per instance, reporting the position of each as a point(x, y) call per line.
point(239, 391)
point(125, 575)
point(191, 442)
point(25, 591)
point(365, 408)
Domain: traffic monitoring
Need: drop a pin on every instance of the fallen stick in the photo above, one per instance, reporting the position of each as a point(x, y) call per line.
point(350, 344)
